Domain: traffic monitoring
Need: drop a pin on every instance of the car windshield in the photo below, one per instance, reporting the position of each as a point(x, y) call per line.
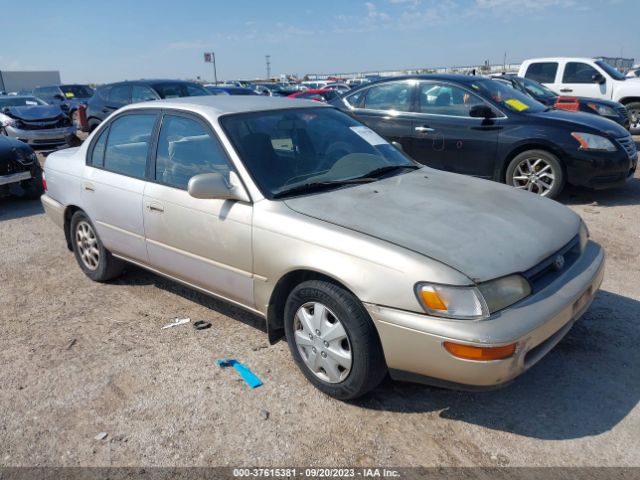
point(537, 89)
point(175, 90)
point(286, 150)
point(615, 74)
point(507, 97)
point(20, 102)
point(76, 91)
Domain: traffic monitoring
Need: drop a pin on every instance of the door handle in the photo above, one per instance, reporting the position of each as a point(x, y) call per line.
point(566, 90)
point(155, 207)
point(424, 129)
point(88, 187)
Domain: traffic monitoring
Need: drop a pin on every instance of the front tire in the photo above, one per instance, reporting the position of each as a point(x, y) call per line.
point(536, 171)
point(94, 259)
point(333, 340)
point(633, 109)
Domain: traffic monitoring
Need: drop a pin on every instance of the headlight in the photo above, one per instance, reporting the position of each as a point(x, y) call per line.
point(463, 303)
point(505, 291)
point(584, 236)
point(603, 110)
point(589, 141)
point(472, 303)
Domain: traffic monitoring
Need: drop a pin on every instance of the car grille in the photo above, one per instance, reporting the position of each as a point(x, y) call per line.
point(622, 110)
point(547, 271)
point(629, 146)
point(60, 122)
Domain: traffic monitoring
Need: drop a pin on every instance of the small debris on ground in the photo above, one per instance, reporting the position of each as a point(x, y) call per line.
point(247, 375)
point(72, 343)
point(100, 436)
point(176, 322)
point(264, 414)
point(259, 347)
point(201, 325)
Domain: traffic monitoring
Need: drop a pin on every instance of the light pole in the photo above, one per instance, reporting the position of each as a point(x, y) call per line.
point(215, 72)
point(268, 57)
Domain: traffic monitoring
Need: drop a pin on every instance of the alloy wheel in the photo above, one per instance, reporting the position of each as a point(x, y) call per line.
point(87, 243)
point(534, 175)
point(322, 342)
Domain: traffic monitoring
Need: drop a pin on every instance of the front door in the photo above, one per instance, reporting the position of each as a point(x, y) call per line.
point(578, 81)
point(446, 137)
point(206, 243)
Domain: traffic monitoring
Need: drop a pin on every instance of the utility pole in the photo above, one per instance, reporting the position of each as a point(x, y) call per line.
point(215, 71)
point(268, 58)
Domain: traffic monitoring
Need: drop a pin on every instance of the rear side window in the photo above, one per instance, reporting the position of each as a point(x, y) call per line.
point(141, 93)
point(97, 154)
point(128, 144)
point(120, 94)
point(576, 72)
point(543, 72)
point(389, 96)
point(445, 99)
point(185, 149)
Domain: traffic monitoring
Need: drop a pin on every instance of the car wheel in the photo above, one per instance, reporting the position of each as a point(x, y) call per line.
point(94, 260)
point(633, 109)
point(536, 171)
point(333, 340)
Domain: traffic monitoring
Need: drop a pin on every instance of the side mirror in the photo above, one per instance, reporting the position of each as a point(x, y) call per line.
point(598, 78)
point(398, 146)
point(216, 186)
point(481, 111)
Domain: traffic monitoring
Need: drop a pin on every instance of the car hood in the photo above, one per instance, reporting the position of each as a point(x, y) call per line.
point(588, 122)
point(483, 229)
point(40, 112)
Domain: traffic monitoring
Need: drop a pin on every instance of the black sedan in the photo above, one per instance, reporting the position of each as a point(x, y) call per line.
point(607, 108)
point(20, 172)
point(477, 126)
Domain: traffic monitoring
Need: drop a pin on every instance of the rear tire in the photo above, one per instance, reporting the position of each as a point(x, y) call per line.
point(94, 259)
point(333, 340)
point(536, 171)
point(633, 109)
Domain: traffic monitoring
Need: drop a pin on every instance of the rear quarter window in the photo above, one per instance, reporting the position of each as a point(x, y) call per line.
point(543, 72)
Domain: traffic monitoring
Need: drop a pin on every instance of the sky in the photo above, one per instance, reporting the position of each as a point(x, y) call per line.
point(98, 42)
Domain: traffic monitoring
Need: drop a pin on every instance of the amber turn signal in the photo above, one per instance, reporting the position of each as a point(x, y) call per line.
point(469, 352)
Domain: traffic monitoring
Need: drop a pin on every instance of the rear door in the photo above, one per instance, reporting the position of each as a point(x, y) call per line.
point(206, 243)
point(114, 181)
point(446, 137)
point(544, 72)
point(386, 108)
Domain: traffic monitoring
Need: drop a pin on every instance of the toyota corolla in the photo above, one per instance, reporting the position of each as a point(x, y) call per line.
point(366, 261)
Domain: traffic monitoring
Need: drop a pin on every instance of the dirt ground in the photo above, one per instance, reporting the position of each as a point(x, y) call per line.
point(81, 358)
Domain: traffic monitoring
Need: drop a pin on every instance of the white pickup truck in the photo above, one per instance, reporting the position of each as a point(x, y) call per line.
point(586, 77)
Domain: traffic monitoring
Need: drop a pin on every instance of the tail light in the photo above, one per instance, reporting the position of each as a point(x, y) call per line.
point(44, 182)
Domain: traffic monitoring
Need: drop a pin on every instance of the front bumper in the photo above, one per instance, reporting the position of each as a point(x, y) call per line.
point(599, 169)
point(52, 136)
point(413, 343)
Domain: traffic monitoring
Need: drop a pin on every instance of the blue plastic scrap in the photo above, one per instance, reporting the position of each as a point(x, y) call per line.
point(247, 375)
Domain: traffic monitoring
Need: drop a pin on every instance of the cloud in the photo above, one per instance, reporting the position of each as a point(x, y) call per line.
point(522, 5)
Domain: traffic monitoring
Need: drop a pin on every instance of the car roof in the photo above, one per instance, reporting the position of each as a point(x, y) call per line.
point(217, 105)
point(560, 59)
point(449, 77)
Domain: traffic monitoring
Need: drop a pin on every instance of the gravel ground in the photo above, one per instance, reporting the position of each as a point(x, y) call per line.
point(83, 358)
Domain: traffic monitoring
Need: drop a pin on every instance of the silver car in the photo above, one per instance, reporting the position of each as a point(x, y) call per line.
point(365, 261)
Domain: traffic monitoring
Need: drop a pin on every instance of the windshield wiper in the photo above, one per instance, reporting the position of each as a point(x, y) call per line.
point(378, 172)
point(324, 185)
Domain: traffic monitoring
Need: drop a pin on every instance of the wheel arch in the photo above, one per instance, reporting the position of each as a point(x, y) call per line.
point(627, 100)
point(280, 293)
point(68, 213)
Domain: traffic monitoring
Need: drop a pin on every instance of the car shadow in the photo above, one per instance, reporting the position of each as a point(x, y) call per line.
point(584, 386)
point(139, 276)
point(628, 194)
point(12, 208)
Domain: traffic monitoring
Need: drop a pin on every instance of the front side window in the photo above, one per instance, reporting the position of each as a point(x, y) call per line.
point(575, 72)
point(446, 99)
point(141, 93)
point(543, 72)
point(289, 149)
point(389, 96)
point(128, 144)
point(185, 149)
